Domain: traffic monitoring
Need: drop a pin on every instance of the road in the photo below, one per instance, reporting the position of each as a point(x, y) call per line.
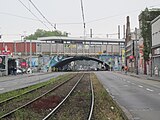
point(9, 83)
point(140, 98)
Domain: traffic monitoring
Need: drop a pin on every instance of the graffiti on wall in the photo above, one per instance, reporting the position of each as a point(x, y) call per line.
point(114, 61)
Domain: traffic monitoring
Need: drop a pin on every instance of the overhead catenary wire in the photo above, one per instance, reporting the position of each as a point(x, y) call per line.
point(42, 14)
point(53, 26)
point(108, 17)
point(33, 14)
point(91, 21)
point(23, 17)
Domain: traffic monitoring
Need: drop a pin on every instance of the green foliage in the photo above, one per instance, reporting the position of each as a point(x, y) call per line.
point(44, 33)
point(146, 17)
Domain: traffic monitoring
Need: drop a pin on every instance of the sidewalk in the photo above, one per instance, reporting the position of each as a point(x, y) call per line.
point(13, 77)
point(141, 76)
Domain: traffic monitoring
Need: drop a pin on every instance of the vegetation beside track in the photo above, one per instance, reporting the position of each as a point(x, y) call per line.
point(21, 100)
point(105, 108)
point(77, 106)
point(22, 91)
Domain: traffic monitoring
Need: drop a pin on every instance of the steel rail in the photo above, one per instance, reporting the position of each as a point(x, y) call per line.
point(11, 112)
point(92, 99)
point(16, 96)
point(56, 108)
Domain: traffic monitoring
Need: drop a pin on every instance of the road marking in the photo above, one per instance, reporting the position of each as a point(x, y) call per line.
point(107, 90)
point(1, 88)
point(136, 118)
point(149, 90)
point(125, 85)
point(140, 86)
point(128, 81)
point(133, 83)
point(124, 79)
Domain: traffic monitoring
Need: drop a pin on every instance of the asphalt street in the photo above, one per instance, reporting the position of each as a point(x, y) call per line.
point(139, 98)
point(9, 83)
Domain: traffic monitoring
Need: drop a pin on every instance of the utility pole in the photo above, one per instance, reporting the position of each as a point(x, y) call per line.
point(136, 51)
point(150, 55)
point(30, 53)
point(118, 31)
point(124, 33)
point(15, 49)
point(91, 33)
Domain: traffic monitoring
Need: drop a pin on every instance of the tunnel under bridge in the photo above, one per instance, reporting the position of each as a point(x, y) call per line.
point(59, 65)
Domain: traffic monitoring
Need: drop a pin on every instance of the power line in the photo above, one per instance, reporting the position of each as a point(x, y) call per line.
point(42, 14)
point(33, 14)
point(119, 14)
point(54, 26)
point(14, 15)
point(9, 14)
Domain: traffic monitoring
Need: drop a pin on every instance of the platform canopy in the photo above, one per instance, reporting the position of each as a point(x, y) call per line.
point(77, 40)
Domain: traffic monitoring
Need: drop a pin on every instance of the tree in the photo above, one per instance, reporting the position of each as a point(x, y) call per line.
point(44, 33)
point(146, 17)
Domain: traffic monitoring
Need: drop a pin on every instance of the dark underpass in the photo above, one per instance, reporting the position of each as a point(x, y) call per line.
point(62, 64)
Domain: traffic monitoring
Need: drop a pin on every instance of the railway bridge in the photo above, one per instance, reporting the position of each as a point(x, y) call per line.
point(77, 53)
point(65, 50)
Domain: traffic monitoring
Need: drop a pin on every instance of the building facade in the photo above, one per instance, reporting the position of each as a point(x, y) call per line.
point(146, 66)
point(156, 46)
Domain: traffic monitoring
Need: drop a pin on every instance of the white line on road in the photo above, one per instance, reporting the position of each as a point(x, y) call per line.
point(133, 83)
point(140, 86)
point(128, 81)
point(1, 88)
point(107, 89)
point(149, 90)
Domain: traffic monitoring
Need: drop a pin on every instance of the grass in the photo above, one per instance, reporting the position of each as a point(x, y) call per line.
point(105, 107)
point(22, 113)
point(22, 91)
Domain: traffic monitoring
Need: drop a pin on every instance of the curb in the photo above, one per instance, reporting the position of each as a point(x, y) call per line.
point(146, 78)
point(158, 80)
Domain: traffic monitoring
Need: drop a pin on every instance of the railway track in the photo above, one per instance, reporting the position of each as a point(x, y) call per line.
point(76, 92)
point(11, 97)
point(13, 104)
point(78, 104)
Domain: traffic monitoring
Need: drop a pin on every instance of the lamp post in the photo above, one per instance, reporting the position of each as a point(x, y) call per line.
point(30, 53)
point(150, 56)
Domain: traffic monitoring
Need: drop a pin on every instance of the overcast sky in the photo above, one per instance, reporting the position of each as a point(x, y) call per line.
point(103, 16)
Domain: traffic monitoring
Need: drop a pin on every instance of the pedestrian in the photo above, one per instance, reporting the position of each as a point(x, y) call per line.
point(12, 70)
point(15, 71)
point(126, 69)
point(122, 68)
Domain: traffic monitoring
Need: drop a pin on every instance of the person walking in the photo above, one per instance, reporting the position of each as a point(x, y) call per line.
point(126, 69)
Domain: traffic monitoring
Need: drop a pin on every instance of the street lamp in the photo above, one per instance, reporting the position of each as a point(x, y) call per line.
point(136, 51)
point(30, 53)
point(150, 56)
